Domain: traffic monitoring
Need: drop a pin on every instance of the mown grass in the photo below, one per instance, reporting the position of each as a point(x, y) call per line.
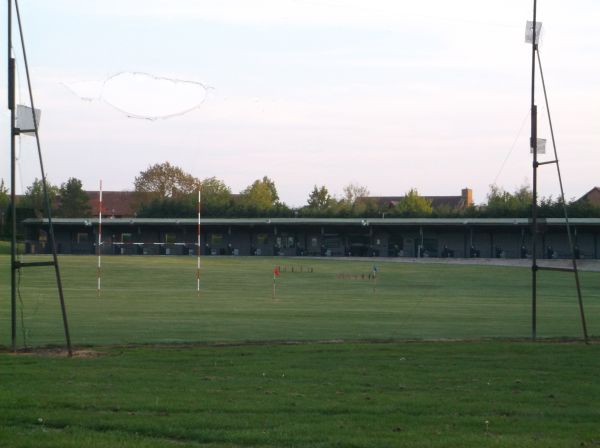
point(154, 300)
point(420, 394)
point(5, 247)
point(314, 395)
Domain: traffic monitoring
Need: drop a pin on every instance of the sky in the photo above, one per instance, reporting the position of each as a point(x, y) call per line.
point(389, 94)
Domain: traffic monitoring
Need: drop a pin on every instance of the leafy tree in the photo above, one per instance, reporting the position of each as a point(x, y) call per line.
point(74, 202)
point(164, 180)
point(319, 198)
point(271, 184)
point(216, 197)
point(34, 197)
point(216, 201)
point(504, 204)
point(4, 197)
point(583, 209)
point(177, 207)
point(3, 190)
point(4, 202)
point(414, 205)
point(352, 192)
point(259, 197)
point(447, 211)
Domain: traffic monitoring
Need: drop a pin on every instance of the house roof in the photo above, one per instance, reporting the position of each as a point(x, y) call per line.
point(436, 201)
point(114, 203)
point(592, 196)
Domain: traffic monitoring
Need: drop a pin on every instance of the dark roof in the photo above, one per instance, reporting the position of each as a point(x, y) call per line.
point(114, 203)
point(593, 196)
point(509, 222)
point(436, 201)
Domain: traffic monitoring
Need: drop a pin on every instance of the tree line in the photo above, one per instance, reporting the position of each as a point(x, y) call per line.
point(167, 191)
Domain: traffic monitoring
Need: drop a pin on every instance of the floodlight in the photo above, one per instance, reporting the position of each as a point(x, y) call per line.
point(541, 146)
point(24, 119)
point(529, 32)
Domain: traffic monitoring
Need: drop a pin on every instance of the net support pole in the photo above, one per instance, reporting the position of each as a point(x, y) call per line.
point(533, 145)
point(13, 208)
point(44, 185)
point(198, 243)
point(99, 269)
point(564, 203)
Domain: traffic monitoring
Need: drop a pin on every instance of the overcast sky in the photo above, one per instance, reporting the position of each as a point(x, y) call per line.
point(390, 94)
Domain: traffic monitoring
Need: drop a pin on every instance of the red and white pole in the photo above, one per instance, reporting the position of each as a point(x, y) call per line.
point(199, 249)
point(99, 270)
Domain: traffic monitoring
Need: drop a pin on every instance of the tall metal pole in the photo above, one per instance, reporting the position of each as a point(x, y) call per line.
point(13, 208)
point(533, 145)
point(45, 189)
point(198, 247)
point(99, 269)
point(564, 203)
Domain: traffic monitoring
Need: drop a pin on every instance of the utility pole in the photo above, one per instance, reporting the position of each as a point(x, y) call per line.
point(533, 145)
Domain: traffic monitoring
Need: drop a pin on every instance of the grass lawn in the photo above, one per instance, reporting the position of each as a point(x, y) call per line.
point(423, 394)
point(154, 300)
point(352, 394)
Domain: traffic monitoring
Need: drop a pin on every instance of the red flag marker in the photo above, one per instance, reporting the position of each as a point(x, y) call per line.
point(275, 275)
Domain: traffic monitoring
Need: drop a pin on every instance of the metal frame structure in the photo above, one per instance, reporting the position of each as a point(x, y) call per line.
point(535, 56)
point(14, 132)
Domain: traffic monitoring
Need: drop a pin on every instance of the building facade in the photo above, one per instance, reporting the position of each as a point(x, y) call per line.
point(460, 238)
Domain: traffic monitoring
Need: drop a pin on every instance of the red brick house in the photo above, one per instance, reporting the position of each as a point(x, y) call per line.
point(453, 202)
point(592, 196)
point(115, 204)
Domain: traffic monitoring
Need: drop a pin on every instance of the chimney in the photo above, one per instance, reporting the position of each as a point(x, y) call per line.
point(467, 195)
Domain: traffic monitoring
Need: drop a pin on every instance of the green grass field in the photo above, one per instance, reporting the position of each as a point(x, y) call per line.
point(154, 300)
point(177, 388)
point(422, 394)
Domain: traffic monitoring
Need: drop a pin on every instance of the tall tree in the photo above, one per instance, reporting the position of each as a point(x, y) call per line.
point(164, 180)
point(260, 196)
point(319, 198)
point(74, 202)
point(354, 191)
point(4, 197)
point(414, 205)
point(34, 197)
point(216, 197)
point(271, 184)
point(502, 203)
point(4, 201)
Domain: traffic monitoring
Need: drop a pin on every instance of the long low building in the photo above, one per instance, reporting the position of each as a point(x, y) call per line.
point(461, 238)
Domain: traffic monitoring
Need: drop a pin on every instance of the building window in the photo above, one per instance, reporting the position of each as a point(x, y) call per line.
point(286, 241)
point(82, 238)
point(126, 237)
point(262, 239)
point(216, 239)
point(170, 238)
